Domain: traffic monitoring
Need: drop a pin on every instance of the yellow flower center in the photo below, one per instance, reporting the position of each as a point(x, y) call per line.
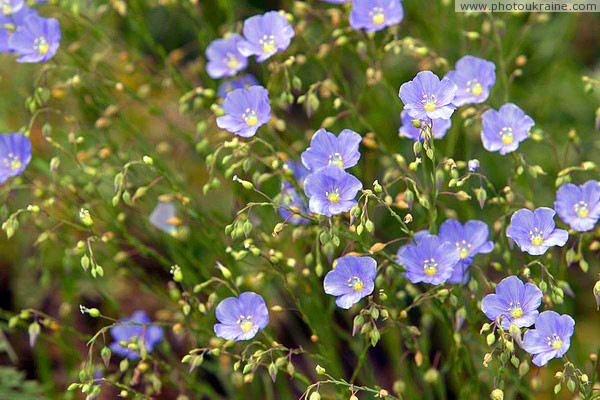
point(246, 324)
point(333, 197)
point(581, 209)
point(537, 240)
point(430, 267)
point(378, 19)
point(268, 43)
point(15, 164)
point(250, 117)
point(231, 61)
point(430, 106)
point(477, 89)
point(556, 343)
point(356, 284)
point(464, 248)
point(516, 312)
point(41, 45)
point(507, 135)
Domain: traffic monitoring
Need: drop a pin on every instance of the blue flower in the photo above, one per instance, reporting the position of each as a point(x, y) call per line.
point(327, 149)
point(428, 98)
point(535, 232)
point(515, 302)
point(15, 155)
point(428, 259)
point(241, 318)
point(9, 7)
point(162, 217)
point(351, 280)
point(139, 332)
point(224, 58)
point(242, 82)
point(331, 191)
point(36, 40)
point(375, 15)
point(292, 201)
point(439, 127)
point(265, 35)
point(504, 129)
point(551, 337)
point(470, 240)
point(474, 78)
point(473, 165)
point(579, 206)
point(290, 198)
point(246, 110)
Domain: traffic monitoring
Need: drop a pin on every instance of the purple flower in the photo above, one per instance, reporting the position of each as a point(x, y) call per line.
point(551, 337)
point(515, 302)
point(408, 130)
point(331, 191)
point(473, 165)
point(292, 201)
point(8, 7)
point(351, 280)
point(242, 82)
point(162, 216)
point(265, 35)
point(298, 170)
point(246, 110)
point(224, 58)
point(504, 129)
point(534, 232)
point(15, 155)
point(474, 78)
point(11, 23)
point(426, 97)
point(37, 40)
point(241, 318)
point(375, 15)
point(327, 149)
point(137, 330)
point(579, 206)
point(430, 260)
point(470, 240)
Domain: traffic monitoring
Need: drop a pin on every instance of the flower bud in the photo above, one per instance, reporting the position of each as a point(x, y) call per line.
point(85, 218)
point(497, 394)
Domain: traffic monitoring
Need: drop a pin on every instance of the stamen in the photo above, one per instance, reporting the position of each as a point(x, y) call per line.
point(536, 237)
point(337, 160)
point(250, 117)
point(245, 323)
point(377, 16)
point(430, 267)
point(268, 43)
point(355, 283)
point(333, 197)
point(581, 209)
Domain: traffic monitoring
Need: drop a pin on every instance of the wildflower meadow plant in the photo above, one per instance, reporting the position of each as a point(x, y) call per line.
point(314, 200)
